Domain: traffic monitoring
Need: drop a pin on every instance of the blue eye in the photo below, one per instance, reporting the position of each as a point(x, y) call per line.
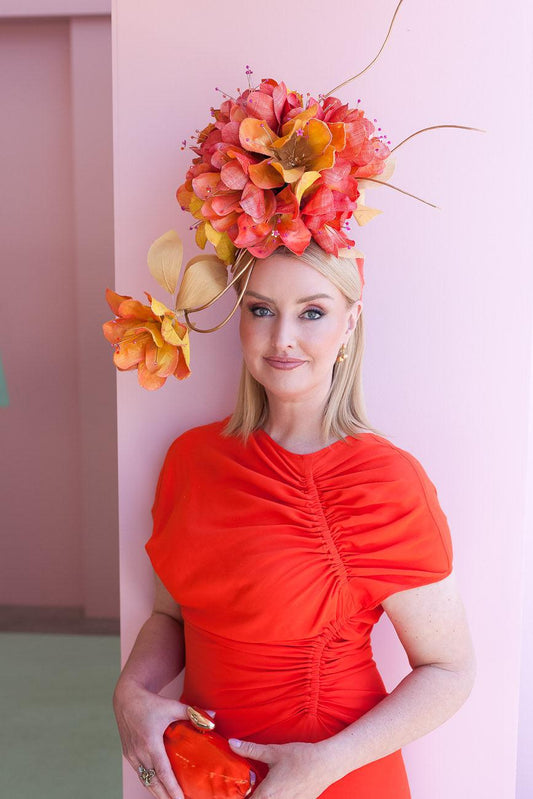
point(262, 311)
point(259, 310)
point(318, 313)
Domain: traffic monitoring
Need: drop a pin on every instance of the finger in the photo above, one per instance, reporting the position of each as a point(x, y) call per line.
point(158, 790)
point(165, 774)
point(155, 787)
point(263, 752)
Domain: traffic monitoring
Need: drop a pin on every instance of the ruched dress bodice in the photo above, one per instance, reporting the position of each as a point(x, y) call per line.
point(280, 563)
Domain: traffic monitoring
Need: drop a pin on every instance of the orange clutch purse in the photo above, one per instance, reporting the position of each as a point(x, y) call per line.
point(204, 763)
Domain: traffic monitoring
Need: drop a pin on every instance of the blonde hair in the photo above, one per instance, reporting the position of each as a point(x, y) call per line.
point(344, 411)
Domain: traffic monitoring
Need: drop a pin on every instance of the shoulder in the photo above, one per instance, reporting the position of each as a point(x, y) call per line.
point(199, 441)
point(391, 474)
point(408, 504)
point(201, 433)
point(398, 463)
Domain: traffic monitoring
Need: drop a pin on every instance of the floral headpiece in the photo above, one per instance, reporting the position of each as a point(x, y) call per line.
point(271, 170)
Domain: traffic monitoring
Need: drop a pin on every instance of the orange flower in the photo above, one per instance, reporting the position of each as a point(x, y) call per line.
point(297, 157)
point(264, 143)
point(148, 338)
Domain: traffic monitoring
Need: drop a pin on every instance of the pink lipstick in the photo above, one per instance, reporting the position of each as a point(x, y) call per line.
point(284, 363)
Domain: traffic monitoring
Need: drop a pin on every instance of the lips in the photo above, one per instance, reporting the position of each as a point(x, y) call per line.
point(284, 363)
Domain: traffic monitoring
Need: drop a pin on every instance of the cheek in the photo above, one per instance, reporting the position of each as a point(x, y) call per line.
point(327, 334)
point(244, 330)
point(249, 334)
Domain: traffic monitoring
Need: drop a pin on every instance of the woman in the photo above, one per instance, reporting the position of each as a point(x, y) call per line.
point(280, 536)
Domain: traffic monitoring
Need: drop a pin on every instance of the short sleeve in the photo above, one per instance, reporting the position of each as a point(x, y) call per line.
point(405, 540)
point(165, 511)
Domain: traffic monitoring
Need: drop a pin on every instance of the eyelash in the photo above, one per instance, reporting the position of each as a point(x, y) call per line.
point(319, 311)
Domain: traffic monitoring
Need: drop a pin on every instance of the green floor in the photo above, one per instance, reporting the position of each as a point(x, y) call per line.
point(57, 731)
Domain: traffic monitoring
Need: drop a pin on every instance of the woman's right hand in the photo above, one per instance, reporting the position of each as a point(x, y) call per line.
point(142, 717)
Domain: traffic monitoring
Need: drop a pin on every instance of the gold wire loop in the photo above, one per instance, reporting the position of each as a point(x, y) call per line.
point(238, 273)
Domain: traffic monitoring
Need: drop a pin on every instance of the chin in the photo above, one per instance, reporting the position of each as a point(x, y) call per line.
point(286, 385)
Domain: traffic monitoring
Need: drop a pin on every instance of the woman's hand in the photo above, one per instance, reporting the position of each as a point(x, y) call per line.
point(296, 770)
point(142, 717)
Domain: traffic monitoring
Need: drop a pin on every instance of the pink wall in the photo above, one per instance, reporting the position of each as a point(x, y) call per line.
point(448, 294)
point(40, 433)
point(58, 496)
point(93, 224)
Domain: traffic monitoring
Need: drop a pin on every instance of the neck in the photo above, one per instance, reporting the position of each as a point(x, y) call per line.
point(297, 424)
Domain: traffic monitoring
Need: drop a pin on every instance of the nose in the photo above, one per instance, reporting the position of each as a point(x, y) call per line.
point(283, 333)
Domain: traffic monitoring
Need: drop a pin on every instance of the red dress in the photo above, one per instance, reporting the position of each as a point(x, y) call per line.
point(280, 562)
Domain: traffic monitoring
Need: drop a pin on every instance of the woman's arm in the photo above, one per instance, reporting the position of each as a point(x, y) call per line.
point(157, 657)
point(431, 624)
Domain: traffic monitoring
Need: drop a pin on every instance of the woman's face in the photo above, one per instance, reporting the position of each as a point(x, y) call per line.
point(293, 323)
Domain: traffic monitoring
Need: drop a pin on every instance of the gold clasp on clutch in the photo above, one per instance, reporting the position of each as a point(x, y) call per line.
point(200, 721)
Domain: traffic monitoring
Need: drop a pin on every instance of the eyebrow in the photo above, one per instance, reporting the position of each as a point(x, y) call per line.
point(302, 300)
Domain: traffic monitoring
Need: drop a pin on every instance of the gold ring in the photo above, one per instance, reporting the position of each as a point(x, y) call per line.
point(146, 775)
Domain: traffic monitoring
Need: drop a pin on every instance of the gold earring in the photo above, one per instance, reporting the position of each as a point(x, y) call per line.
point(342, 354)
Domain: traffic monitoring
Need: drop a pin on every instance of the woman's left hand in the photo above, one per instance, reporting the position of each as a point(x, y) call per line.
point(296, 770)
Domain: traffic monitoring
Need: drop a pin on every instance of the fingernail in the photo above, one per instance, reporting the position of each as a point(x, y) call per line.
point(211, 712)
point(235, 742)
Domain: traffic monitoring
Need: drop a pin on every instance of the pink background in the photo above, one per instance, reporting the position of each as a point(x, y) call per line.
point(58, 492)
point(448, 365)
point(448, 294)
point(448, 369)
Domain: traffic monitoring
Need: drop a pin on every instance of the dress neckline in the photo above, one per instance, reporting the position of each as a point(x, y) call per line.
point(260, 433)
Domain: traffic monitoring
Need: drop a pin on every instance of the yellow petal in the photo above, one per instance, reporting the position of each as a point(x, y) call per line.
point(201, 238)
point(222, 243)
point(346, 252)
point(325, 160)
point(204, 278)
point(184, 359)
point(159, 308)
point(195, 207)
point(364, 214)
point(212, 235)
point(164, 260)
point(307, 179)
point(173, 331)
point(319, 136)
point(309, 113)
point(226, 250)
point(289, 175)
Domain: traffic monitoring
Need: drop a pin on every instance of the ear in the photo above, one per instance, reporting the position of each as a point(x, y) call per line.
point(353, 316)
